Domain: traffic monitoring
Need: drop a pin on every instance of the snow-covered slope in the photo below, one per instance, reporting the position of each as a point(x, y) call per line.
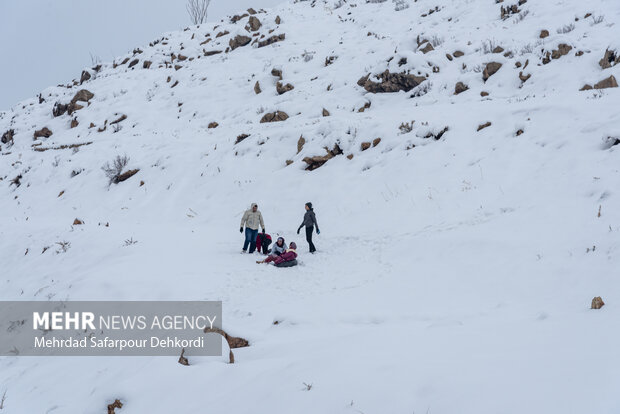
point(455, 270)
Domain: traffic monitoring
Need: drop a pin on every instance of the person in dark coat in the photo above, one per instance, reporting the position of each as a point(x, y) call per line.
point(309, 222)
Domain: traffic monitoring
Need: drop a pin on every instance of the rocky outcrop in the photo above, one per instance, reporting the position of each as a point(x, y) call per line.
point(390, 82)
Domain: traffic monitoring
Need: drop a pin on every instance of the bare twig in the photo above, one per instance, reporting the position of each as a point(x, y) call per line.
point(197, 10)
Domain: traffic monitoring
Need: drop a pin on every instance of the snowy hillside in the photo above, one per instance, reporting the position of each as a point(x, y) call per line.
point(463, 235)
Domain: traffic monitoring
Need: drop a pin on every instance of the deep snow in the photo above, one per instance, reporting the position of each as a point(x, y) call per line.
point(454, 276)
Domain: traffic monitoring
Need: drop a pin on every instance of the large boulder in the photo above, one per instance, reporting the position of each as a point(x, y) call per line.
point(390, 82)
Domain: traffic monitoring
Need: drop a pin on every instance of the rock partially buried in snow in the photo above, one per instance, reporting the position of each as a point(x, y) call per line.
point(543, 34)
point(562, 50)
point(276, 116)
point(483, 126)
point(300, 143)
point(7, 137)
point(609, 82)
point(85, 76)
point(272, 39)
point(609, 59)
point(390, 82)
point(460, 87)
point(318, 160)
point(82, 95)
point(44, 132)
point(427, 48)
point(241, 138)
point(325, 112)
point(277, 73)
point(490, 70)
point(253, 24)
point(239, 41)
point(126, 175)
point(281, 89)
point(597, 303)
point(523, 77)
point(257, 88)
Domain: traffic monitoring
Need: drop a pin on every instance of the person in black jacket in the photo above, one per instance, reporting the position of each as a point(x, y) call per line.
point(310, 223)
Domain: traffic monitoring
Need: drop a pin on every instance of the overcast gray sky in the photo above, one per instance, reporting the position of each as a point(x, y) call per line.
point(47, 42)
